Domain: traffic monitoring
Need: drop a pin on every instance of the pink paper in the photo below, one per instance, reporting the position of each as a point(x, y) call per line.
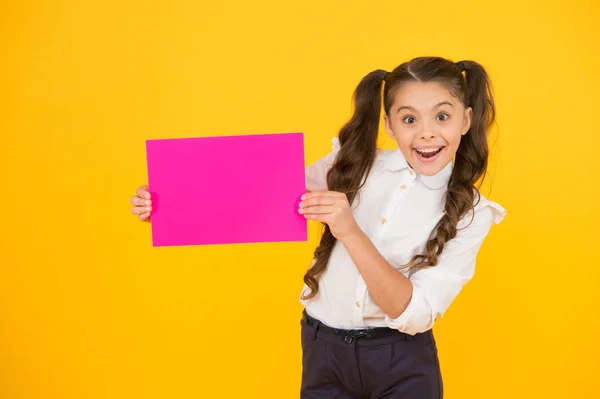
point(225, 190)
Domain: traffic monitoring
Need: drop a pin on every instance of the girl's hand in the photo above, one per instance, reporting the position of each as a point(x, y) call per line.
point(142, 204)
point(332, 208)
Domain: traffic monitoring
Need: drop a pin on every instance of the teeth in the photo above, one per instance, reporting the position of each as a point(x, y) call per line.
point(428, 150)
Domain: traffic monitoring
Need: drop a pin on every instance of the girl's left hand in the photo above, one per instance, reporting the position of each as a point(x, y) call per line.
point(332, 208)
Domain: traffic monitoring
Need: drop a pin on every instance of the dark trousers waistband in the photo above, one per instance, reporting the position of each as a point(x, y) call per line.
point(353, 334)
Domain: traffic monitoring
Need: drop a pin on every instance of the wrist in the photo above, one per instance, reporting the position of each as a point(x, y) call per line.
point(353, 236)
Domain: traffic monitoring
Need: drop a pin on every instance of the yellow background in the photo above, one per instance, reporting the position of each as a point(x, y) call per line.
point(88, 309)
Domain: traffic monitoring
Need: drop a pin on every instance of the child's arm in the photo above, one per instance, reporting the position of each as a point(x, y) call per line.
point(412, 305)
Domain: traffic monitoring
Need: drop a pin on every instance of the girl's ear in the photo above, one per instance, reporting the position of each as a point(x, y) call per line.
point(388, 127)
point(467, 125)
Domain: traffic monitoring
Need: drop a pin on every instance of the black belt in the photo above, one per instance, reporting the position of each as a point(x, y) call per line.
point(371, 332)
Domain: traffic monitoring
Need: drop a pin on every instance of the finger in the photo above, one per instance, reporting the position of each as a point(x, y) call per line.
point(137, 201)
point(317, 210)
point(143, 192)
point(140, 210)
point(323, 198)
point(322, 194)
point(144, 217)
point(310, 202)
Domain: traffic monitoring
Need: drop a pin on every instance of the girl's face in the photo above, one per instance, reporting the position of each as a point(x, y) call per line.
point(428, 123)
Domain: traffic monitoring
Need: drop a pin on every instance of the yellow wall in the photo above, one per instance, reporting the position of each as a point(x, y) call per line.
point(88, 309)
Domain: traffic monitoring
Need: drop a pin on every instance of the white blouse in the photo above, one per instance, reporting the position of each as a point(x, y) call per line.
point(398, 208)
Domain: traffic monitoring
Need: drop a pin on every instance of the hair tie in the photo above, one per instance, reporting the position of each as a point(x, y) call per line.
point(461, 65)
point(386, 76)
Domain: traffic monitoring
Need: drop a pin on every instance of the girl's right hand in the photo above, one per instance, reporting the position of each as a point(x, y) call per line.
point(142, 204)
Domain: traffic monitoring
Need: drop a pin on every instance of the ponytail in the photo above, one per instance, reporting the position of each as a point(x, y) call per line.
point(358, 141)
point(470, 163)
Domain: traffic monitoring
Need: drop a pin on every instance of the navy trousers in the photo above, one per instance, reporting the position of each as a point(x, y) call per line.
point(389, 364)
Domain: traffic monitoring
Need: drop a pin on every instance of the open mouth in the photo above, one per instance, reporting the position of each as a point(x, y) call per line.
point(428, 154)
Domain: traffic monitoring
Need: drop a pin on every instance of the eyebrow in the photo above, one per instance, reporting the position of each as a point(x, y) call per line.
point(434, 107)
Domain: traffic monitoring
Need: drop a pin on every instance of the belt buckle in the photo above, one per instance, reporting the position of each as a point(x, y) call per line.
point(366, 333)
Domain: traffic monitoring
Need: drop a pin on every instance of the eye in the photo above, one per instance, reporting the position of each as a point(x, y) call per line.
point(409, 120)
point(443, 117)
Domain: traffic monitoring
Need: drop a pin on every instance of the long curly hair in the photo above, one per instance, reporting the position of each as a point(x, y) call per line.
point(358, 140)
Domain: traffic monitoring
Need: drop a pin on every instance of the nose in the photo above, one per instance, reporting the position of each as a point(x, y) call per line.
point(427, 132)
point(428, 135)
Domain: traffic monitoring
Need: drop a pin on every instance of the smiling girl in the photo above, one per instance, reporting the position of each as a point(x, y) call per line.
point(402, 230)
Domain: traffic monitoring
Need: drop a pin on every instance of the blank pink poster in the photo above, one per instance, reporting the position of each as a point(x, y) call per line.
point(225, 190)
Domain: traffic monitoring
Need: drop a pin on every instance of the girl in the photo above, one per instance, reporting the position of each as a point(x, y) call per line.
point(402, 230)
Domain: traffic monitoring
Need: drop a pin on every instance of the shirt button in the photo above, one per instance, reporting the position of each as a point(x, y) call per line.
point(358, 304)
point(411, 173)
point(403, 187)
point(383, 221)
